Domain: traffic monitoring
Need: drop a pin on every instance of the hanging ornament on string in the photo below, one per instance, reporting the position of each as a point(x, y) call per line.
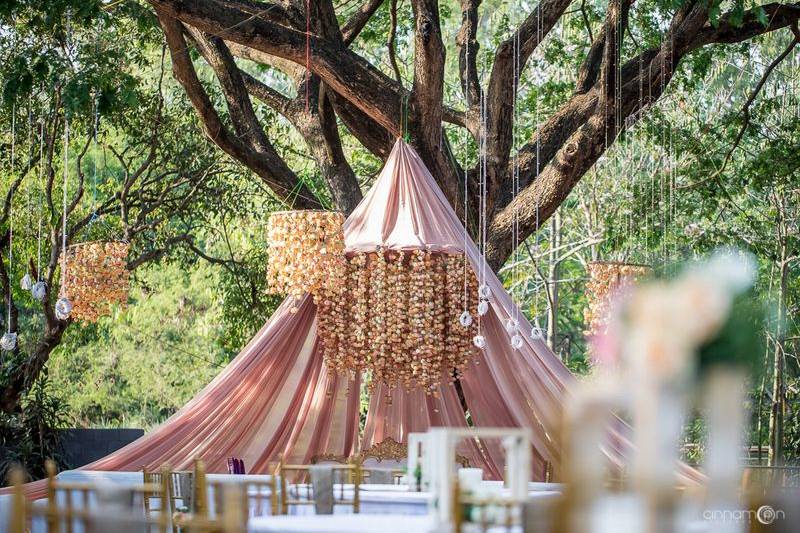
point(466, 317)
point(479, 341)
point(63, 305)
point(9, 340)
point(537, 333)
point(39, 288)
point(26, 283)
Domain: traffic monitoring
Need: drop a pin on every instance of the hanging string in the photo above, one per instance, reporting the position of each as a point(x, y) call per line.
point(515, 173)
point(466, 180)
point(94, 158)
point(404, 119)
point(308, 53)
point(11, 213)
point(537, 119)
point(41, 199)
point(64, 212)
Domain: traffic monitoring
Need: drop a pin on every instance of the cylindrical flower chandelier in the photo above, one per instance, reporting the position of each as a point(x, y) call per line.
point(306, 252)
point(397, 316)
point(607, 278)
point(96, 278)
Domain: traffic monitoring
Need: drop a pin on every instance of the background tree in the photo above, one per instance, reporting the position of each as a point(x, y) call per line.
point(629, 51)
point(667, 95)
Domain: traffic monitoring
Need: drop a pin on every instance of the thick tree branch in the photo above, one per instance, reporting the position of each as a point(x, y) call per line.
point(468, 47)
point(688, 31)
point(349, 74)
point(274, 172)
point(356, 23)
point(428, 89)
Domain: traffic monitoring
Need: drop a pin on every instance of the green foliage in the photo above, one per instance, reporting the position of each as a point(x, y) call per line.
point(140, 365)
point(31, 436)
point(740, 340)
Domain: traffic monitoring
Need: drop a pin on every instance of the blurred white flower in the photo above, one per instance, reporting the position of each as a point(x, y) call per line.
point(693, 229)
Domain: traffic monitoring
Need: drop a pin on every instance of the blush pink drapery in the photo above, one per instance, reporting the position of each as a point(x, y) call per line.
point(277, 398)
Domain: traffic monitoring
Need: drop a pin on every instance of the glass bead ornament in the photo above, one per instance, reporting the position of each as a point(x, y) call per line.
point(484, 291)
point(465, 319)
point(511, 325)
point(39, 291)
point(63, 308)
point(537, 333)
point(9, 341)
point(483, 307)
point(479, 341)
point(516, 341)
point(26, 283)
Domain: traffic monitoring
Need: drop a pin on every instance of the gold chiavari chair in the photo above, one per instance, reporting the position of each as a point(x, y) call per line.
point(343, 474)
point(258, 495)
point(761, 480)
point(367, 474)
point(180, 486)
point(483, 514)
point(230, 514)
point(63, 515)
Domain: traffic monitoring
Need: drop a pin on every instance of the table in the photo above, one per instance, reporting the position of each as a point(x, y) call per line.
point(353, 523)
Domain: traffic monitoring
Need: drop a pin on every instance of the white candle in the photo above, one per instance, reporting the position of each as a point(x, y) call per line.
point(470, 479)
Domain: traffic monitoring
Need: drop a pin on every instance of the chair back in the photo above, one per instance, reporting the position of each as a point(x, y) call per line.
point(230, 515)
point(303, 493)
point(760, 480)
point(260, 496)
point(181, 487)
point(63, 514)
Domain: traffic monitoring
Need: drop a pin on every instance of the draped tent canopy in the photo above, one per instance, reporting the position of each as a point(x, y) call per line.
point(277, 397)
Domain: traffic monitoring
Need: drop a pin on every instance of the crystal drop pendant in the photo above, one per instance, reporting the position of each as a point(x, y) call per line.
point(537, 333)
point(479, 341)
point(26, 282)
point(63, 308)
point(511, 326)
point(39, 291)
point(483, 307)
point(484, 291)
point(9, 341)
point(465, 319)
point(516, 341)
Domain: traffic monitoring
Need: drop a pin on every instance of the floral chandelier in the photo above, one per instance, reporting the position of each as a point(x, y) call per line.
point(306, 252)
point(96, 277)
point(397, 314)
point(607, 278)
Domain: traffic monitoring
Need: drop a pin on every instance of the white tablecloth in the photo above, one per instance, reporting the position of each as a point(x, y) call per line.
point(342, 524)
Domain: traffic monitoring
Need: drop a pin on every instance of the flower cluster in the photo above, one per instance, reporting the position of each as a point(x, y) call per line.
point(306, 252)
point(605, 280)
point(396, 315)
point(96, 278)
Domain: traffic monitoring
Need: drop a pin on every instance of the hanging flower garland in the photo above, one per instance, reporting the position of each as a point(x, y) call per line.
point(605, 280)
point(397, 316)
point(306, 251)
point(96, 279)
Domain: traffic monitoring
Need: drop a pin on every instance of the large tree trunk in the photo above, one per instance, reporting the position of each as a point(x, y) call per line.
point(776, 415)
